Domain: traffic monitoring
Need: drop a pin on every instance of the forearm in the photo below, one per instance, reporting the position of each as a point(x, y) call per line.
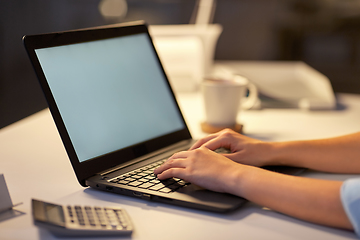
point(340, 154)
point(308, 199)
point(312, 200)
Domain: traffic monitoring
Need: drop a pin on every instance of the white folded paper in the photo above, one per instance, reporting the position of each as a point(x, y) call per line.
point(5, 199)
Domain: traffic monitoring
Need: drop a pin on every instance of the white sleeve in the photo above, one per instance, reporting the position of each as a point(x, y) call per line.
point(350, 197)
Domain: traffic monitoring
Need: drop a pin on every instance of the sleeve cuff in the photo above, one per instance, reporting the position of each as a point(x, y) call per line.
point(350, 198)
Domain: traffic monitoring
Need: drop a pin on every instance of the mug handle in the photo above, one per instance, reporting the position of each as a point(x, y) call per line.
point(252, 98)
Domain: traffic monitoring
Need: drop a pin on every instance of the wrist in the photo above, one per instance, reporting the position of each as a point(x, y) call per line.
point(237, 178)
point(281, 154)
point(268, 153)
point(272, 154)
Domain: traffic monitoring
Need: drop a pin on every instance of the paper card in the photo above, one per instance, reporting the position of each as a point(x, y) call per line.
point(5, 199)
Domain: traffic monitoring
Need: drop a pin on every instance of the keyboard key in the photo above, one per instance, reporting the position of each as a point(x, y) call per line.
point(182, 182)
point(168, 181)
point(174, 186)
point(155, 181)
point(165, 190)
point(153, 165)
point(146, 185)
point(123, 182)
point(135, 183)
point(157, 187)
point(150, 177)
point(143, 168)
point(129, 179)
point(136, 176)
point(143, 180)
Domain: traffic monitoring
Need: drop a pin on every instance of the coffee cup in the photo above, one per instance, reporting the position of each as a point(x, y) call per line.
point(223, 99)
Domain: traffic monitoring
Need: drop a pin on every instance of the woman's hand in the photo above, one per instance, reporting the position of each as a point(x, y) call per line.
point(202, 167)
point(309, 199)
point(242, 149)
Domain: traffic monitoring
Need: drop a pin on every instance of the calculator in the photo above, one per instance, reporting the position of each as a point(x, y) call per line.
point(81, 220)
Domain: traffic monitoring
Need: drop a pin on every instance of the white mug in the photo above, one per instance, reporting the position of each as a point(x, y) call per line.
point(224, 98)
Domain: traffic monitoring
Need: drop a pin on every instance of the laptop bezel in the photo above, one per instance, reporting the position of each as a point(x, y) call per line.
point(86, 169)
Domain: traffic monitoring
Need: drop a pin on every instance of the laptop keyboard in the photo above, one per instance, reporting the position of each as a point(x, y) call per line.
point(145, 178)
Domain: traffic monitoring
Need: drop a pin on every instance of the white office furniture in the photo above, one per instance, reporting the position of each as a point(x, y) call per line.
point(35, 165)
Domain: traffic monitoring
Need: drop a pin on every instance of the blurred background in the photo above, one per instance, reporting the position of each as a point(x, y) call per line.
point(323, 33)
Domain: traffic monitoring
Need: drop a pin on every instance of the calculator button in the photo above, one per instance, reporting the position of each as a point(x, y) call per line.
point(101, 216)
point(90, 215)
point(79, 215)
point(70, 212)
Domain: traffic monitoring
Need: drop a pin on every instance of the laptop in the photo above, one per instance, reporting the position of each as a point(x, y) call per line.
point(116, 113)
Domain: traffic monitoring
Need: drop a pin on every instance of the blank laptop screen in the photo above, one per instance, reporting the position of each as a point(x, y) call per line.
point(110, 93)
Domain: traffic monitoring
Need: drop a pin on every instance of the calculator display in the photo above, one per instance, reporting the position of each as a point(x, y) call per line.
point(54, 213)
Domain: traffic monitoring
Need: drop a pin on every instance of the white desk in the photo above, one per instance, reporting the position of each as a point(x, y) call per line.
point(35, 165)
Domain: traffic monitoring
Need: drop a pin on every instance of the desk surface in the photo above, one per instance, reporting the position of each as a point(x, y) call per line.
point(35, 165)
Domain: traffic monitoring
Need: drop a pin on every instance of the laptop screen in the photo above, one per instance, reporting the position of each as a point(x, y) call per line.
point(111, 93)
